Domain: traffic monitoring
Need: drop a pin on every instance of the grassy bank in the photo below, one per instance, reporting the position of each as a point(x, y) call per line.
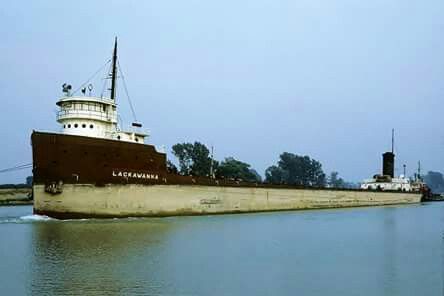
point(15, 196)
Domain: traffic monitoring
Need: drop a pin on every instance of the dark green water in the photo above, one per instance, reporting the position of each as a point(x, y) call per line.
point(363, 251)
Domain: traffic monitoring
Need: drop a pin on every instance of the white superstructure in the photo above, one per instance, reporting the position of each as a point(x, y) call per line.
point(381, 182)
point(90, 116)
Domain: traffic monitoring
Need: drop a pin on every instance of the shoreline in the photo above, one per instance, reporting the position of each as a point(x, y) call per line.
point(8, 203)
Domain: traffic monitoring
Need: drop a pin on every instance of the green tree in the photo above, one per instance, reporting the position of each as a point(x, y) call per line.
point(275, 175)
point(171, 167)
point(435, 181)
point(232, 168)
point(183, 153)
point(296, 170)
point(194, 159)
point(335, 181)
point(201, 160)
point(256, 175)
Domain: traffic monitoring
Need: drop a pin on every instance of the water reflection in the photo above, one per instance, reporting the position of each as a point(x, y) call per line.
point(442, 250)
point(102, 258)
point(367, 251)
point(389, 246)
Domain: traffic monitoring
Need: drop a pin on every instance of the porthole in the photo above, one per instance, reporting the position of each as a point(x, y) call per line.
point(137, 139)
point(91, 126)
point(69, 126)
point(83, 125)
point(64, 126)
point(118, 137)
point(76, 125)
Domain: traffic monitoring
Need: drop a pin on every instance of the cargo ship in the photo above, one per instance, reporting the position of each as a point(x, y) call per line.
point(92, 168)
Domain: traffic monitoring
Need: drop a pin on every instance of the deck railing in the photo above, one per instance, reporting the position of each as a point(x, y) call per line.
point(87, 114)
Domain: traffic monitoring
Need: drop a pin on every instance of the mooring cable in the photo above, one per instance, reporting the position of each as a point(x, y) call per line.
point(16, 168)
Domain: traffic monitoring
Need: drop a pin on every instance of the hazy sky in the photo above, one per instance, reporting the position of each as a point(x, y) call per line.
point(253, 78)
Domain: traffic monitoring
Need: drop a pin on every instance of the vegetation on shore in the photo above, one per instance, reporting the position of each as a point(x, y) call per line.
point(195, 159)
point(435, 181)
point(14, 186)
point(291, 169)
point(28, 184)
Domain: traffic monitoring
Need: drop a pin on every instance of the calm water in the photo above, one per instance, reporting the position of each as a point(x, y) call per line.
point(364, 251)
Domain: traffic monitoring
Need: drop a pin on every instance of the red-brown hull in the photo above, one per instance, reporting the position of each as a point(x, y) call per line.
point(81, 177)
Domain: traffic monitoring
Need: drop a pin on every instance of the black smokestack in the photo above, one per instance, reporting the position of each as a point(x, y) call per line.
point(388, 164)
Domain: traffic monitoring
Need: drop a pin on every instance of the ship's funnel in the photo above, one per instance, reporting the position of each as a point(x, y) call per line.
point(388, 164)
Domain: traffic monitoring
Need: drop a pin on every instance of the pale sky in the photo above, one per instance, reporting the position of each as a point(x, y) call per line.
point(252, 78)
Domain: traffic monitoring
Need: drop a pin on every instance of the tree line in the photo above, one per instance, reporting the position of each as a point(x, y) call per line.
point(291, 169)
point(195, 159)
point(435, 181)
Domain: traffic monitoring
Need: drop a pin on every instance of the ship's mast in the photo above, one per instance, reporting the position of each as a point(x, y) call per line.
point(114, 72)
point(419, 169)
point(212, 163)
point(393, 140)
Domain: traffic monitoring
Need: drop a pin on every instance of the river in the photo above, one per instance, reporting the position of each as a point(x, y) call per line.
point(394, 250)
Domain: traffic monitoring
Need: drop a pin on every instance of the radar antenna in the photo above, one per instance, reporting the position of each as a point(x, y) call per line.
point(90, 88)
point(66, 88)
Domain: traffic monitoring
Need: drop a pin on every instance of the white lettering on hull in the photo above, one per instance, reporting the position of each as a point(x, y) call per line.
point(135, 175)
